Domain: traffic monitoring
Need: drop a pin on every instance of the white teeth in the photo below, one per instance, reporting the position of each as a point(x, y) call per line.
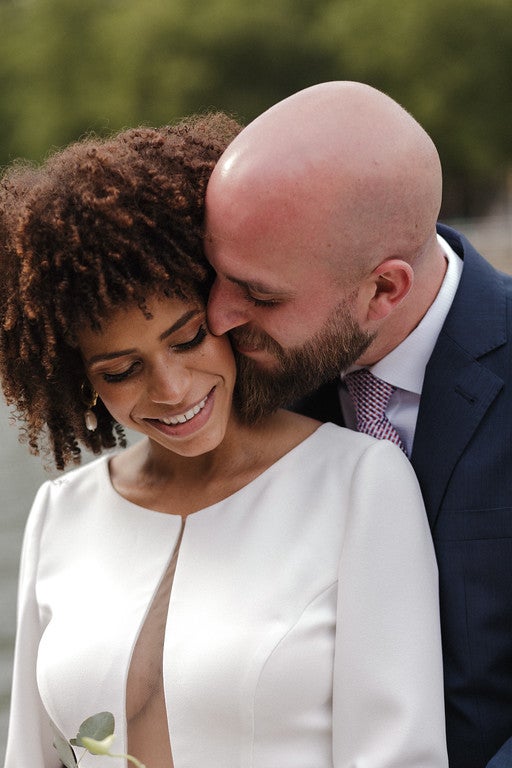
point(183, 417)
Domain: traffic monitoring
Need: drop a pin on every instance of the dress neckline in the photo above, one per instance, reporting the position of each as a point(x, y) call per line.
point(117, 497)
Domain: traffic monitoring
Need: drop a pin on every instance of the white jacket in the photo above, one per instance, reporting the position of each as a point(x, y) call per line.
point(302, 629)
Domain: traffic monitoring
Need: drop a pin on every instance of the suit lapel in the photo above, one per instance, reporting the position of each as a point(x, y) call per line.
point(458, 387)
point(451, 409)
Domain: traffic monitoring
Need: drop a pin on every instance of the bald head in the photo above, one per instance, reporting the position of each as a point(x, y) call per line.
point(339, 155)
point(314, 195)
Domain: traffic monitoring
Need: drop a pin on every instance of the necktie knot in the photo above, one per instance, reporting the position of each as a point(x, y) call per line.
point(371, 396)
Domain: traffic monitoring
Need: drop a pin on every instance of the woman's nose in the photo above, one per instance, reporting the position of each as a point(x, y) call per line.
point(169, 382)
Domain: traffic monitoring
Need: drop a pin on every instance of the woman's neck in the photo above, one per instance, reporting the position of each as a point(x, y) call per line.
point(151, 476)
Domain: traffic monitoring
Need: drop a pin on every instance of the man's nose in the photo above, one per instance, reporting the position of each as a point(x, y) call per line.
point(226, 309)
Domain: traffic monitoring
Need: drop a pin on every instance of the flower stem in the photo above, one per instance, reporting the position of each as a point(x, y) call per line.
point(132, 759)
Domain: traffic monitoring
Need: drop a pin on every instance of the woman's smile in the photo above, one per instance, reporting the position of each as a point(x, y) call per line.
point(185, 424)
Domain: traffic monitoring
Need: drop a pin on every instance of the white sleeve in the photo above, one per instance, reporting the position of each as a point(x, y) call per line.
point(30, 738)
point(388, 685)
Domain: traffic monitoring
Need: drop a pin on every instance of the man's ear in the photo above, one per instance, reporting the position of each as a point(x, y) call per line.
point(387, 286)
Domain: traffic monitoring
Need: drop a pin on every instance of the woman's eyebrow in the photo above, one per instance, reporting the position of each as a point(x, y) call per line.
point(180, 322)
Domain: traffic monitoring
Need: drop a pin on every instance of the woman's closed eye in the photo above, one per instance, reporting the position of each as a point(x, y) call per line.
point(199, 337)
point(112, 377)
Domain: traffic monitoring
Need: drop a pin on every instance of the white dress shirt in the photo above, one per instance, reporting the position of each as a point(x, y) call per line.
point(404, 367)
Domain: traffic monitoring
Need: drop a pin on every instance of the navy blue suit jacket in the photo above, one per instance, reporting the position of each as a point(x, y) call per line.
point(462, 455)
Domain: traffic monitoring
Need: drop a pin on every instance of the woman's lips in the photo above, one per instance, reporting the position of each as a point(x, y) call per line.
point(188, 422)
point(183, 417)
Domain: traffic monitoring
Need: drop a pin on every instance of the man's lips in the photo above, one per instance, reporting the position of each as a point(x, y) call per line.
point(246, 346)
point(245, 349)
point(257, 352)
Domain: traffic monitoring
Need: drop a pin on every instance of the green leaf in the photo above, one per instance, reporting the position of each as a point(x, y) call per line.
point(97, 727)
point(64, 751)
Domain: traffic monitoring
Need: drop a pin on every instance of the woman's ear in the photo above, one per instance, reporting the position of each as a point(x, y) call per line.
point(387, 286)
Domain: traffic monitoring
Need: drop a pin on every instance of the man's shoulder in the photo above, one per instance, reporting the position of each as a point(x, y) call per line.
point(479, 318)
point(476, 265)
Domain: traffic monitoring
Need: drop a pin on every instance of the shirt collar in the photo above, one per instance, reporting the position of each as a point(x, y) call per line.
point(404, 367)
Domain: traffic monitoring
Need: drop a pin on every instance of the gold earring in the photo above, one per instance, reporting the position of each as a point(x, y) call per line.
point(89, 398)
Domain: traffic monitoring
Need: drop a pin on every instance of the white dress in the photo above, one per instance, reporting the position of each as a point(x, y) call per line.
point(302, 628)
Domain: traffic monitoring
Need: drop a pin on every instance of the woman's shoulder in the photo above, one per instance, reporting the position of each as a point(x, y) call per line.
point(61, 498)
point(299, 428)
point(328, 443)
point(356, 448)
point(76, 480)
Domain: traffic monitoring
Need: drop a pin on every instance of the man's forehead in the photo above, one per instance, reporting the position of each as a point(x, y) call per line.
point(266, 263)
point(242, 263)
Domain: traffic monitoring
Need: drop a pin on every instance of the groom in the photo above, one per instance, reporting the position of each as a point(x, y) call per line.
point(321, 227)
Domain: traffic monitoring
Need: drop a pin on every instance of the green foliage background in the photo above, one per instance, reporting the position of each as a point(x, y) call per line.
point(68, 67)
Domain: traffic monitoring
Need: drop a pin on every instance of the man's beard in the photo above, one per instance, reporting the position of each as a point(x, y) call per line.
point(298, 371)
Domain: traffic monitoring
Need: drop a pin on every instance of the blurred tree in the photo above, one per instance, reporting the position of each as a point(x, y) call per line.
point(449, 62)
point(69, 67)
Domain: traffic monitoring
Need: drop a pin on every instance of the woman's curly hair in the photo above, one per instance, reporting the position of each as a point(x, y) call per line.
point(102, 223)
